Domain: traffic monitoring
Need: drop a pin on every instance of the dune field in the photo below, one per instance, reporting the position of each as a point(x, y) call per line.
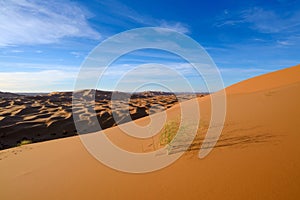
point(46, 117)
point(256, 157)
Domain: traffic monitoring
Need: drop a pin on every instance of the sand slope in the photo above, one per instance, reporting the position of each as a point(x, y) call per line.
point(257, 156)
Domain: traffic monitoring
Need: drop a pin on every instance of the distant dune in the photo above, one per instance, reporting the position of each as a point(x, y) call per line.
point(49, 116)
point(9, 95)
point(256, 157)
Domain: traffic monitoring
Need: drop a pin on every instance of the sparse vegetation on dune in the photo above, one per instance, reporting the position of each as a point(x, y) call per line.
point(24, 142)
point(168, 133)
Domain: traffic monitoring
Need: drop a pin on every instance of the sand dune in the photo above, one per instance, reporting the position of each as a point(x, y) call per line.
point(268, 81)
point(257, 156)
point(46, 117)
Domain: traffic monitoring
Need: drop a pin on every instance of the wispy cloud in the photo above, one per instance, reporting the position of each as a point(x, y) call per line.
point(151, 70)
point(244, 70)
point(42, 22)
point(76, 54)
point(284, 43)
point(47, 80)
point(122, 11)
point(268, 21)
point(56, 79)
point(30, 66)
point(171, 74)
point(262, 20)
point(16, 51)
point(177, 26)
point(174, 76)
point(272, 37)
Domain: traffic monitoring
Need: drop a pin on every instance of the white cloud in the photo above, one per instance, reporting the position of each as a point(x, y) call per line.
point(154, 70)
point(63, 80)
point(179, 27)
point(16, 51)
point(27, 66)
point(128, 14)
point(263, 20)
point(42, 22)
point(41, 81)
point(76, 54)
point(284, 43)
point(244, 70)
point(268, 21)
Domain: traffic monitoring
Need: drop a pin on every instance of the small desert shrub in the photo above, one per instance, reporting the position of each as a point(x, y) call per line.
point(177, 136)
point(24, 142)
point(169, 131)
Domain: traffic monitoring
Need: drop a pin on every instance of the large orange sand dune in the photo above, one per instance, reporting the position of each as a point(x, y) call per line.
point(257, 156)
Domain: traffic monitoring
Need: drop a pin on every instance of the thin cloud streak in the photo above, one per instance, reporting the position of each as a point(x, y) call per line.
point(129, 14)
point(262, 20)
point(42, 22)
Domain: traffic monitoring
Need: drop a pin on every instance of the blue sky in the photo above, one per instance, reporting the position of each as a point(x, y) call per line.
point(43, 43)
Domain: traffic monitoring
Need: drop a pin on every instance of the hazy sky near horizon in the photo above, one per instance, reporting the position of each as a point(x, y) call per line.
point(44, 43)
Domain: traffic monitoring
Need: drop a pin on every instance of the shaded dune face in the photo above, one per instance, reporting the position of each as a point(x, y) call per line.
point(47, 117)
